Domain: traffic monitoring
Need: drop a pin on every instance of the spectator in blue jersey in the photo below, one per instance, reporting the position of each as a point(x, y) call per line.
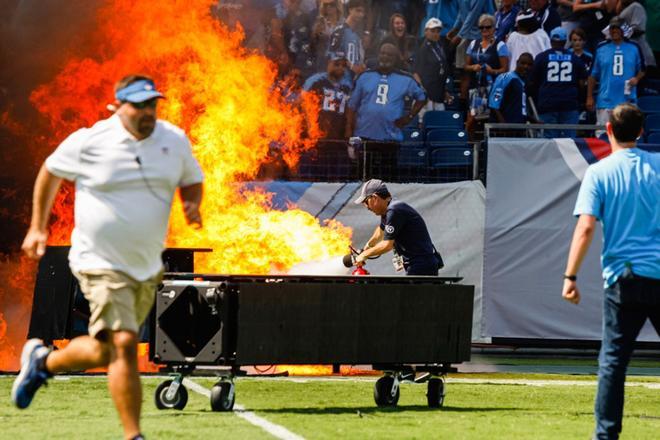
point(347, 38)
point(444, 10)
point(486, 58)
point(556, 79)
point(466, 29)
point(329, 18)
point(401, 229)
point(376, 111)
point(332, 88)
point(622, 192)
point(297, 27)
point(508, 100)
point(618, 68)
point(505, 19)
point(546, 15)
point(431, 69)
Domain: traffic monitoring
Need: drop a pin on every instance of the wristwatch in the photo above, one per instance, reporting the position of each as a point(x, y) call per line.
point(570, 277)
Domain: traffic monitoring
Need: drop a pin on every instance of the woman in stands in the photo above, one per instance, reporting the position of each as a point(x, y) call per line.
point(399, 37)
point(484, 61)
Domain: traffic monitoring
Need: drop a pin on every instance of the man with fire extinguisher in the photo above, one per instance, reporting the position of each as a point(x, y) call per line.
point(401, 229)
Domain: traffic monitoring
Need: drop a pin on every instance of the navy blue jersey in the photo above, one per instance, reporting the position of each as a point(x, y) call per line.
point(345, 40)
point(334, 97)
point(407, 228)
point(586, 57)
point(556, 76)
point(613, 66)
point(379, 100)
point(508, 96)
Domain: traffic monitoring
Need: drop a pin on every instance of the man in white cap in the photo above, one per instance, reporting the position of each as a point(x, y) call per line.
point(431, 67)
point(401, 228)
point(125, 169)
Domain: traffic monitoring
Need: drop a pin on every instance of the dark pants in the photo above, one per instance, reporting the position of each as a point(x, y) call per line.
point(379, 160)
point(422, 268)
point(628, 303)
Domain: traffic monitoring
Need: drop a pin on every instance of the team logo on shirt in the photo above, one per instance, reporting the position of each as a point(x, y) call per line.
point(165, 150)
point(389, 229)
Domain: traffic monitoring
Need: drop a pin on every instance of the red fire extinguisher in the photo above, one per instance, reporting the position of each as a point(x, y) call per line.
point(360, 270)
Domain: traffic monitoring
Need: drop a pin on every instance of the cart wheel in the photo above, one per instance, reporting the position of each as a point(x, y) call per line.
point(383, 392)
point(435, 394)
point(179, 400)
point(223, 396)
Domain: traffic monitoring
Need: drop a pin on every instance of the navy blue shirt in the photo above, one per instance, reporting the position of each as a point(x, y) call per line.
point(407, 228)
point(334, 98)
point(556, 76)
point(508, 96)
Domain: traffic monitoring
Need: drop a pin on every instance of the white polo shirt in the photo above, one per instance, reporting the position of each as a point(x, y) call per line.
point(123, 203)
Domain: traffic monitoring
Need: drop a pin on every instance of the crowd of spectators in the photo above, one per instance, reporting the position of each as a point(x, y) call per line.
point(378, 65)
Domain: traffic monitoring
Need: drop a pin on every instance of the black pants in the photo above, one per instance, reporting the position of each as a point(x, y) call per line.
point(379, 160)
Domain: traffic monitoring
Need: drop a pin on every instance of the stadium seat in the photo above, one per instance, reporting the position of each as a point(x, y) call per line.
point(653, 137)
point(413, 156)
point(450, 155)
point(649, 104)
point(445, 135)
point(443, 119)
point(413, 135)
point(653, 148)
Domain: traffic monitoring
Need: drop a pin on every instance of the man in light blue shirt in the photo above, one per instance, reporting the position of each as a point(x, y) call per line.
point(376, 111)
point(618, 67)
point(623, 192)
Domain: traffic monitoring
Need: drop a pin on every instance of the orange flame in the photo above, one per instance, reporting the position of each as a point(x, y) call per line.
point(228, 101)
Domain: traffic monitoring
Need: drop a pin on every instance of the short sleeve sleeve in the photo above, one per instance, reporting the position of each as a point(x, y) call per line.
point(415, 90)
point(64, 162)
point(393, 224)
point(589, 200)
point(502, 50)
point(192, 173)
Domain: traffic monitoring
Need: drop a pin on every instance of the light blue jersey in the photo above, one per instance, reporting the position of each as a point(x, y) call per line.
point(623, 192)
point(344, 39)
point(613, 66)
point(379, 100)
point(445, 10)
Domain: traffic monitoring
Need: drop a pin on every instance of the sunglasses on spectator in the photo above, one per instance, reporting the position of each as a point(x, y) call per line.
point(151, 103)
point(481, 28)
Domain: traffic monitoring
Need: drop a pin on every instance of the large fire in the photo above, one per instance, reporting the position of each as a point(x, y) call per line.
point(229, 101)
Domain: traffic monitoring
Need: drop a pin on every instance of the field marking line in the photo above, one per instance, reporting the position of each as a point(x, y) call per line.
point(273, 429)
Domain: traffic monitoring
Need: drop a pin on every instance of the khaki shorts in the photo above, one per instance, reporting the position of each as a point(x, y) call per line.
point(116, 300)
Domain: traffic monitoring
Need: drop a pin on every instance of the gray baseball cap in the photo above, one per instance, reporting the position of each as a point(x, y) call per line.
point(371, 187)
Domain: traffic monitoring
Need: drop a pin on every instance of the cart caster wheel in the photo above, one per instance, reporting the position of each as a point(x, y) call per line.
point(435, 394)
point(223, 396)
point(383, 392)
point(178, 401)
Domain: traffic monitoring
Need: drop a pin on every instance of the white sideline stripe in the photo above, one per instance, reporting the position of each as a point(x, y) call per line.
point(572, 156)
point(493, 381)
point(275, 430)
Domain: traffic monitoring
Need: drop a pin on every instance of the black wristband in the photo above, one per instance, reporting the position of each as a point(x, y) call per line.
point(570, 277)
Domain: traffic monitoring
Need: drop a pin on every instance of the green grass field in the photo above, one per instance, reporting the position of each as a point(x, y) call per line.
point(328, 409)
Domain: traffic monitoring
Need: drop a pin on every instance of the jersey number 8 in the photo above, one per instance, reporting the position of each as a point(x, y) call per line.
point(617, 65)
